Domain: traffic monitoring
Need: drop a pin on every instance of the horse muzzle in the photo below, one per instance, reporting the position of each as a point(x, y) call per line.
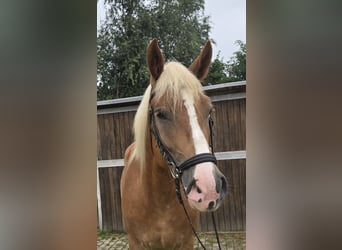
point(207, 188)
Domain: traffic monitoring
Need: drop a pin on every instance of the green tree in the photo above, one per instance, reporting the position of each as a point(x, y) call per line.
point(180, 26)
point(217, 72)
point(236, 66)
point(119, 48)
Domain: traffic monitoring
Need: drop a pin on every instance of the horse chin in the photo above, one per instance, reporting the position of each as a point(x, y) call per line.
point(201, 206)
point(196, 206)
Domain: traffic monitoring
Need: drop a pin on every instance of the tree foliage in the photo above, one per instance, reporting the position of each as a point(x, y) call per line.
point(180, 26)
point(231, 71)
point(236, 66)
point(217, 72)
point(119, 51)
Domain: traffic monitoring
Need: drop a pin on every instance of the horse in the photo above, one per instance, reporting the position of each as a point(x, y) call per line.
point(171, 127)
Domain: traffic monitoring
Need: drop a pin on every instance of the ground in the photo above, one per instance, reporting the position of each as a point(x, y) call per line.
point(229, 241)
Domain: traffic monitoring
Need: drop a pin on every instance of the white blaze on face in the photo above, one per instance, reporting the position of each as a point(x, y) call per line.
point(203, 174)
point(200, 143)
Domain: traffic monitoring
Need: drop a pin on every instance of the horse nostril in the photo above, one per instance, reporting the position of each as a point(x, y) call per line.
point(224, 185)
point(221, 184)
point(211, 205)
point(198, 190)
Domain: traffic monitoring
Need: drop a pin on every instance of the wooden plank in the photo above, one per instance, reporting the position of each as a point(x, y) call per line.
point(126, 139)
point(214, 117)
point(105, 198)
point(232, 126)
point(231, 198)
point(119, 130)
point(117, 110)
point(221, 211)
point(99, 151)
point(118, 187)
point(117, 102)
point(107, 137)
point(110, 163)
point(117, 198)
point(237, 203)
point(112, 198)
point(116, 129)
point(224, 85)
point(111, 136)
point(226, 204)
point(228, 97)
point(242, 125)
point(243, 191)
point(231, 155)
point(220, 125)
point(131, 122)
point(238, 129)
point(101, 141)
point(116, 140)
point(206, 222)
point(99, 202)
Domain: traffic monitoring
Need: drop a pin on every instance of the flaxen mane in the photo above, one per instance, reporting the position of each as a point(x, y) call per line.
point(175, 79)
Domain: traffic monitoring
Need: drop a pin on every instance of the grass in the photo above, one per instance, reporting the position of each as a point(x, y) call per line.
point(103, 234)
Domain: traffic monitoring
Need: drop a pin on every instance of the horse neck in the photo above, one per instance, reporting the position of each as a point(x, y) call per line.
point(160, 186)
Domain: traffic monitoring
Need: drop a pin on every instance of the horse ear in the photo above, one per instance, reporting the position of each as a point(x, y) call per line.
point(155, 60)
point(200, 65)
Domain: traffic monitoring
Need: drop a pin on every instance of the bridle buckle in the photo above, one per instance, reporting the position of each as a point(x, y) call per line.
point(174, 170)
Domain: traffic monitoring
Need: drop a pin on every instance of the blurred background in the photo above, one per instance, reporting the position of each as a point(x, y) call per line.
point(48, 124)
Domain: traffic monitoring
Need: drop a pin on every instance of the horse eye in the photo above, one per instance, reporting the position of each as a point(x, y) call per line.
point(161, 115)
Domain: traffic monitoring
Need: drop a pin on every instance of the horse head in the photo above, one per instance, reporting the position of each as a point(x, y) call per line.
point(180, 115)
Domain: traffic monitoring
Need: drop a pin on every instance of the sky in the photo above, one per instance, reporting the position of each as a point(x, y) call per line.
point(228, 24)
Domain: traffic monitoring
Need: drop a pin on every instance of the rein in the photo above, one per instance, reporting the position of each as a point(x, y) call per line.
point(177, 170)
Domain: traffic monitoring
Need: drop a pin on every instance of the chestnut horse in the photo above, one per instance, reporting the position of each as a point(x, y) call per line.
point(173, 116)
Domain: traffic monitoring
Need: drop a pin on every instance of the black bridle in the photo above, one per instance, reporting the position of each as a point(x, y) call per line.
point(177, 170)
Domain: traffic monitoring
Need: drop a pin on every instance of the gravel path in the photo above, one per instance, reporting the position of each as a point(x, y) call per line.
point(229, 241)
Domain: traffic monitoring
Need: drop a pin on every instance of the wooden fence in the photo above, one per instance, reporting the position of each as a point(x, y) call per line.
point(114, 135)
